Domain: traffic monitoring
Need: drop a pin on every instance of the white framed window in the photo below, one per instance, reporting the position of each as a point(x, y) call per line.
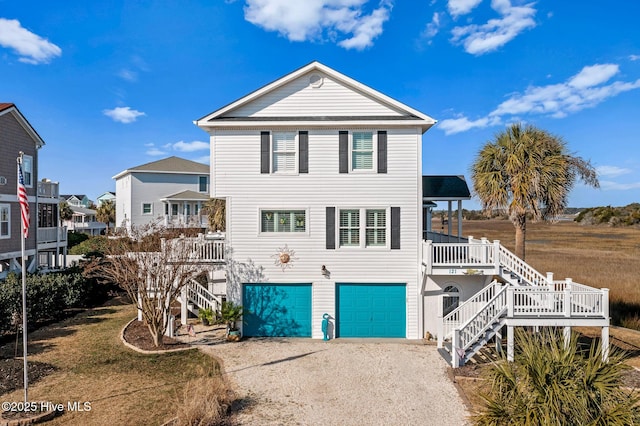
point(5, 221)
point(283, 221)
point(362, 151)
point(451, 299)
point(364, 227)
point(284, 152)
point(174, 210)
point(203, 184)
point(147, 208)
point(27, 170)
point(376, 228)
point(349, 227)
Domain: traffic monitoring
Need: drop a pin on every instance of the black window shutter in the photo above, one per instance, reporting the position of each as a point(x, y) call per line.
point(331, 228)
point(343, 151)
point(264, 152)
point(303, 157)
point(382, 151)
point(395, 228)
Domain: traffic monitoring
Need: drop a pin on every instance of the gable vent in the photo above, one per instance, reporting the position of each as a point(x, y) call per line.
point(315, 80)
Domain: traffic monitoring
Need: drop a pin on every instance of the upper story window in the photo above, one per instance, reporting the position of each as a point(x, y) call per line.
point(203, 184)
point(27, 170)
point(283, 146)
point(362, 151)
point(283, 221)
point(5, 221)
point(349, 227)
point(376, 228)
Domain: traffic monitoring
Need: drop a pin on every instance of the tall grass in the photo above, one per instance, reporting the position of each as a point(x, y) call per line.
point(597, 256)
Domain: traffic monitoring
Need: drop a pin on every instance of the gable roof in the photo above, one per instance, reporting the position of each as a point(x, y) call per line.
point(445, 188)
point(390, 112)
point(168, 165)
point(78, 196)
point(186, 195)
point(9, 108)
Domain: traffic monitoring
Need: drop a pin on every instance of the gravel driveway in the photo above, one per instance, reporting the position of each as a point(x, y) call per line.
point(311, 382)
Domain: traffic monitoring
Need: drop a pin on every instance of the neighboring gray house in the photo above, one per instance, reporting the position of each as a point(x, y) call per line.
point(46, 244)
point(170, 192)
point(78, 200)
point(84, 221)
point(107, 196)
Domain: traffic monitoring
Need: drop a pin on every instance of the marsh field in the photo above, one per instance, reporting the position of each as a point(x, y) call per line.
point(594, 255)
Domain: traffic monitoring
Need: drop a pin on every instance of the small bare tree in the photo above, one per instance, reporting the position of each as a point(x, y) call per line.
point(152, 267)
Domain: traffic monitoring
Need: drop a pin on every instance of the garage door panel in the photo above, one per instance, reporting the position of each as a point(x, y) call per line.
point(371, 310)
point(277, 310)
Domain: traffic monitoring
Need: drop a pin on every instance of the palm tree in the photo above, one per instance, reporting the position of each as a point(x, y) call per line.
point(553, 383)
point(527, 171)
point(215, 209)
point(106, 213)
point(65, 211)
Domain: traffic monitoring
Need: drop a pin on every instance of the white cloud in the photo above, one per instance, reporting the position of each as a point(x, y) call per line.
point(190, 146)
point(593, 75)
point(128, 75)
point(452, 126)
point(480, 39)
point(612, 171)
point(634, 57)
point(586, 89)
point(318, 19)
point(432, 28)
point(32, 48)
point(607, 185)
point(461, 7)
point(123, 114)
point(156, 152)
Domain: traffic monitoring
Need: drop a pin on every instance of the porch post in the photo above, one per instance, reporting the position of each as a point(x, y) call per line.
point(567, 336)
point(440, 321)
point(605, 343)
point(496, 256)
point(183, 305)
point(455, 348)
point(499, 341)
point(449, 217)
point(459, 220)
point(510, 343)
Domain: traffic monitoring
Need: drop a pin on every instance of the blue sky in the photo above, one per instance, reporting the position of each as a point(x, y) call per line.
point(114, 84)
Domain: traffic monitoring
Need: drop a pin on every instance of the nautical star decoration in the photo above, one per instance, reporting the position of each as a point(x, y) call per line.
point(284, 257)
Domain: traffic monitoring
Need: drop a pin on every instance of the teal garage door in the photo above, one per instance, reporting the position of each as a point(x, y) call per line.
point(371, 310)
point(277, 310)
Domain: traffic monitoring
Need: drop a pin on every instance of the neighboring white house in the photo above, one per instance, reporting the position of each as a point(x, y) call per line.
point(327, 208)
point(84, 221)
point(170, 192)
point(107, 196)
point(78, 200)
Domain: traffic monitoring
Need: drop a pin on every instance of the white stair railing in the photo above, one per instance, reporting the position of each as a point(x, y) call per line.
point(202, 297)
point(514, 264)
point(477, 326)
point(466, 311)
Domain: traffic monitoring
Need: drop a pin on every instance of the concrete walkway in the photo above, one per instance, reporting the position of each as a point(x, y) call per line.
point(341, 382)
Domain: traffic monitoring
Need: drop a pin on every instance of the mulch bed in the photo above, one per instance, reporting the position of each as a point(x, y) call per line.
point(12, 373)
point(137, 334)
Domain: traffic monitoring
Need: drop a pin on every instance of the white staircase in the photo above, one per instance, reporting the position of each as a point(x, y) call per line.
point(523, 297)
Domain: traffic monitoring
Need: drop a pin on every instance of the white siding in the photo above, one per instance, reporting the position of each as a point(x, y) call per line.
point(299, 98)
point(237, 176)
point(123, 200)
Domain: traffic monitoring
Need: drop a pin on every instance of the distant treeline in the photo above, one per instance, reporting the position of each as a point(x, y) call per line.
point(612, 216)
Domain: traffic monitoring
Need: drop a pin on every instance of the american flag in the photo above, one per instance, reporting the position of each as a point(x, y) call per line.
point(24, 202)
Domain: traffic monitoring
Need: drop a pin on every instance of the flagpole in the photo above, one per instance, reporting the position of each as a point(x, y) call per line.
point(24, 299)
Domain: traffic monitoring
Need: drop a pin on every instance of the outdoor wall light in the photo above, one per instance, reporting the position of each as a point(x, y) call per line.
point(324, 271)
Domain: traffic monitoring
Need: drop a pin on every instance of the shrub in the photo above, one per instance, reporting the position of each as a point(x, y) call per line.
point(97, 244)
point(206, 402)
point(75, 238)
point(549, 383)
point(49, 296)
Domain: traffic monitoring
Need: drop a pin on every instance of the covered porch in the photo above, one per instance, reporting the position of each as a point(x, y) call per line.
point(450, 189)
point(184, 210)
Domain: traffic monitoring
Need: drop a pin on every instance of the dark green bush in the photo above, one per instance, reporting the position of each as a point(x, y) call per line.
point(49, 297)
point(75, 238)
point(96, 244)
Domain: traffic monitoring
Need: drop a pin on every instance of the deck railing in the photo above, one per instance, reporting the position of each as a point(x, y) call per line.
point(52, 234)
point(202, 298)
point(201, 249)
point(467, 310)
point(579, 301)
point(516, 265)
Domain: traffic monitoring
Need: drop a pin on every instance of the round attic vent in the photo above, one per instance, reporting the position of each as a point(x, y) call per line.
point(315, 80)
